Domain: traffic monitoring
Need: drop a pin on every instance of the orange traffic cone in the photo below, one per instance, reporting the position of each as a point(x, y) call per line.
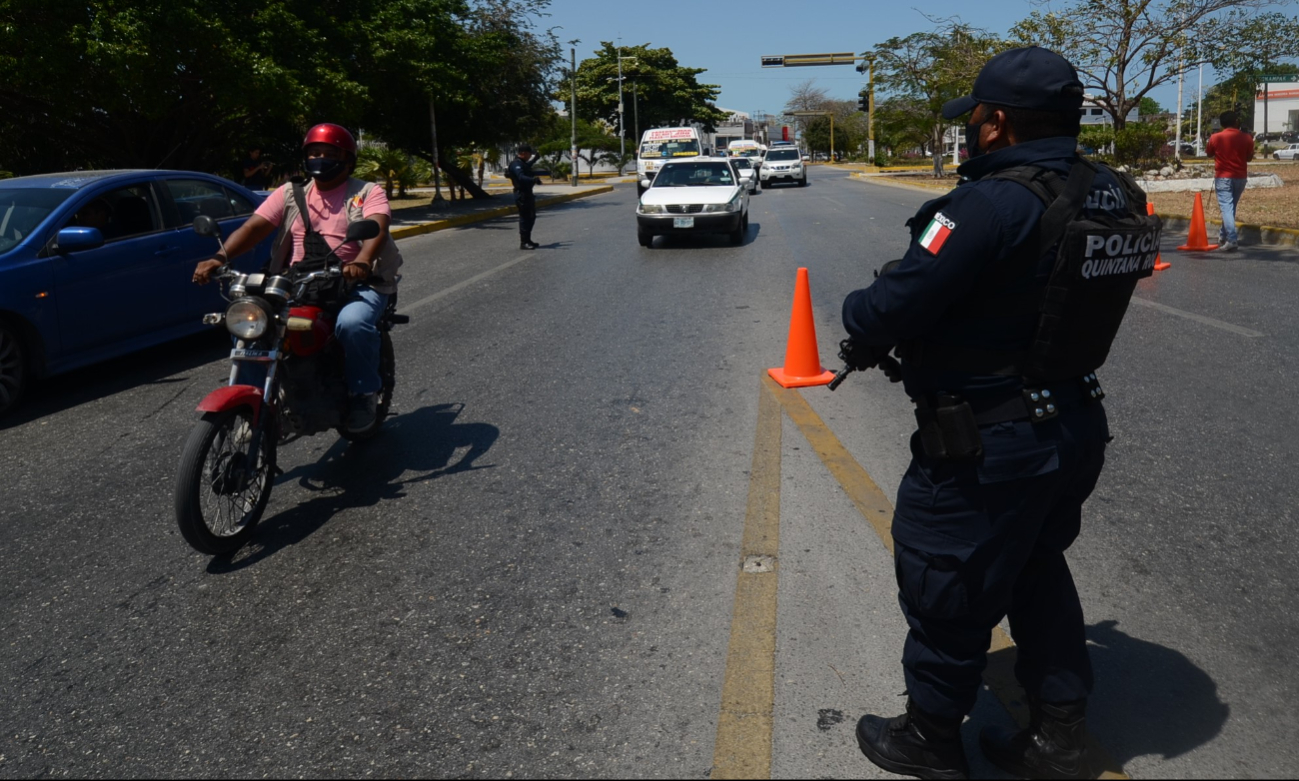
point(1198, 240)
point(1160, 263)
point(802, 367)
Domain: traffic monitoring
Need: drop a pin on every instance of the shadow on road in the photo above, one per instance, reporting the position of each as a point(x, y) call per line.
point(1150, 699)
point(416, 447)
point(153, 366)
point(705, 240)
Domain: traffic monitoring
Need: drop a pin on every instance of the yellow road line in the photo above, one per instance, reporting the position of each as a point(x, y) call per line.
point(744, 727)
point(878, 511)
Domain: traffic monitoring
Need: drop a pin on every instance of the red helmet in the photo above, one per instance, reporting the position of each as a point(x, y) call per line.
point(334, 135)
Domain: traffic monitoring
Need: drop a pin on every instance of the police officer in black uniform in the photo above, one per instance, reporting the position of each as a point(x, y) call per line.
point(1005, 304)
point(520, 173)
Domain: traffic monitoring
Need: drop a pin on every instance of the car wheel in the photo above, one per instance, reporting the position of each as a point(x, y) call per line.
point(1276, 156)
point(803, 182)
point(14, 373)
point(645, 239)
point(737, 235)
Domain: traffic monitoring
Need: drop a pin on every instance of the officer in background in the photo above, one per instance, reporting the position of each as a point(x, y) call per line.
point(520, 173)
point(1005, 304)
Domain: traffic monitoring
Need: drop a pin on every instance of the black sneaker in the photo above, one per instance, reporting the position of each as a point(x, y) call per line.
point(914, 744)
point(361, 412)
point(1053, 746)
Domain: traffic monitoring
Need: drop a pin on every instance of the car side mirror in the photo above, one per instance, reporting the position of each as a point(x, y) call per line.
point(78, 239)
point(362, 230)
point(645, 184)
point(206, 226)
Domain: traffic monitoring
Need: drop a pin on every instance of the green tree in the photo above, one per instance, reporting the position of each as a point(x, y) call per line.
point(927, 69)
point(1123, 49)
point(667, 93)
point(190, 83)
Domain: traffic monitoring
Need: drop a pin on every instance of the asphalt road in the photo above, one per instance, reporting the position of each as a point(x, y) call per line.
point(533, 571)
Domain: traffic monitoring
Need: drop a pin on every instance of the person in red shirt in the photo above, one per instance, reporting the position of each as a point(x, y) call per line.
point(1231, 150)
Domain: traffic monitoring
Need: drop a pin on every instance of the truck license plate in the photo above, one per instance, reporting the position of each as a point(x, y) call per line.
point(683, 222)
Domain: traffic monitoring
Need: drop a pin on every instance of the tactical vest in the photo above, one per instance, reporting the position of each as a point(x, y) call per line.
point(383, 277)
point(1098, 261)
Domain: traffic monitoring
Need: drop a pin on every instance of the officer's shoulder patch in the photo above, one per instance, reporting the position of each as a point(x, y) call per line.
point(935, 235)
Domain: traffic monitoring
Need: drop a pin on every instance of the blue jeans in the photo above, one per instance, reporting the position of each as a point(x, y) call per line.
point(1229, 192)
point(357, 329)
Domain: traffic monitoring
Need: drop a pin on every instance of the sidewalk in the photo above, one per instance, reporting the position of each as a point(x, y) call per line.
point(426, 219)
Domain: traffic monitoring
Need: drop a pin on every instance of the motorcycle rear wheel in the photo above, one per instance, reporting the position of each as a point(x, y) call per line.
point(215, 514)
point(388, 375)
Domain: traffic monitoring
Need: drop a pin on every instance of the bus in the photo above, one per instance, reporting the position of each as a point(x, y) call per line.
point(660, 144)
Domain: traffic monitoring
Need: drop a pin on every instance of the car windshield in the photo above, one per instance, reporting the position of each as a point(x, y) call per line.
point(22, 211)
point(741, 162)
point(684, 147)
point(783, 154)
point(695, 175)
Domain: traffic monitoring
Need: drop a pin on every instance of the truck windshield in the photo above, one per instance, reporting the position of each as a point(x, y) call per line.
point(685, 147)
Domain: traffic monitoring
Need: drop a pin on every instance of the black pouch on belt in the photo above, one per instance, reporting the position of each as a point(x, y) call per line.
point(948, 430)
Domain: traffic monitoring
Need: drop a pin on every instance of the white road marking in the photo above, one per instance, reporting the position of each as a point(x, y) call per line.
point(1235, 329)
point(426, 300)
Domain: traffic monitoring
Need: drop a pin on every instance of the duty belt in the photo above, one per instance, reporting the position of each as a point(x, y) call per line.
point(1037, 404)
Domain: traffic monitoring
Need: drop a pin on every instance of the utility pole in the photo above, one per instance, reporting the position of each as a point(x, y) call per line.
point(1199, 116)
point(572, 111)
point(635, 114)
point(622, 136)
point(870, 111)
point(1177, 144)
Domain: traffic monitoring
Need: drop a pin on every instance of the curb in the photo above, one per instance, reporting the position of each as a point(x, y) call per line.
point(406, 231)
point(933, 191)
point(1254, 234)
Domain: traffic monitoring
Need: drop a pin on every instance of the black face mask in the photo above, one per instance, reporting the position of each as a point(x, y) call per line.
point(322, 169)
point(972, 138)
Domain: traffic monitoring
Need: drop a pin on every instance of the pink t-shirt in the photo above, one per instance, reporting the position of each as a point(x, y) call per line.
point(328, 216)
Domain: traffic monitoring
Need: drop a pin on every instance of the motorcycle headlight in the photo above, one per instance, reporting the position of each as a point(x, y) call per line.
point(247, 319)
point(651, 208)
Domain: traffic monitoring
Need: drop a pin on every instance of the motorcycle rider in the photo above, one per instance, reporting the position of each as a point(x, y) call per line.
point(333, 200)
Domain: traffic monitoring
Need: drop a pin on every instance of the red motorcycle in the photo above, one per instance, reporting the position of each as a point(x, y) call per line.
point(286, 382)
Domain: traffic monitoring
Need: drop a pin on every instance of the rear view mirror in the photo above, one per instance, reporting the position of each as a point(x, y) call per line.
point(362, 230)
point(206, 226)
point(78, 239)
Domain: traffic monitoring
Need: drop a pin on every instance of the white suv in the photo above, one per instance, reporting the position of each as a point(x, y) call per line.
point(783, 163)
point(1289, 153)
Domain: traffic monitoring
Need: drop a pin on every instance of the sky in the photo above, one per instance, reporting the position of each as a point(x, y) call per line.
point(730, 38)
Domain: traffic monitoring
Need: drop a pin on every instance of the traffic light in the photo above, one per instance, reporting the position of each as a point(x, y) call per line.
point(863, 101)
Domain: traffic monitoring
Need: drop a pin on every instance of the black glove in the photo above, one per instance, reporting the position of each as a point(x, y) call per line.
point(862, 356)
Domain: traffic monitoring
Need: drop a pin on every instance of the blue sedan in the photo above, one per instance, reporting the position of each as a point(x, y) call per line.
point(96, 264)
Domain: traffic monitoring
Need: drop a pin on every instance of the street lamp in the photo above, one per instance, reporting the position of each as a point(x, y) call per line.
point(622, 138)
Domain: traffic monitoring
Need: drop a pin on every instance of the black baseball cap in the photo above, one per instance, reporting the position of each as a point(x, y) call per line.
point(1030, 78)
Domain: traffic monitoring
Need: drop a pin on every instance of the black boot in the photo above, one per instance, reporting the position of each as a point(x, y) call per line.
point(914, 744)
point(525, 244)
point(1053, 746)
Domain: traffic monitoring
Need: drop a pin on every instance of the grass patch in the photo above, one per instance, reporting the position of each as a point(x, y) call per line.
point(1276, 207)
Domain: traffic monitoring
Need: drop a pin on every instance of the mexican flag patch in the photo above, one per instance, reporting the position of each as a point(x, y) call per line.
point(940, 227)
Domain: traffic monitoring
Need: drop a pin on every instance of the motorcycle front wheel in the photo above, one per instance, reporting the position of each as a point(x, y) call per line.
point(218, 501)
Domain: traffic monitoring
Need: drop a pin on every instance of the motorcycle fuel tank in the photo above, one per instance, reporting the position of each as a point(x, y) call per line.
point(309, 329)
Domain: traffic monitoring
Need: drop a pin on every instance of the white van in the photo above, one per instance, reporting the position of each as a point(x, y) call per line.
point(660, 144)
point(747, 147)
